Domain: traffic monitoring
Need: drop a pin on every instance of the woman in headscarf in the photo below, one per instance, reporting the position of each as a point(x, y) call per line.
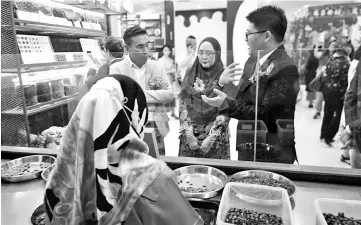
point(203, 133)
point(103, 173)
point(334, 88)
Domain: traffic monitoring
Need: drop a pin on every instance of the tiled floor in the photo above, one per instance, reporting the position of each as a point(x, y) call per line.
point(310, 150)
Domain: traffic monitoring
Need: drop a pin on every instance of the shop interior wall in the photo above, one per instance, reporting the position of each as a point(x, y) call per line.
point(201, 24)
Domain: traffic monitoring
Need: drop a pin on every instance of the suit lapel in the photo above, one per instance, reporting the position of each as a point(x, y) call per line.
point(250, 68)
point(276, 55)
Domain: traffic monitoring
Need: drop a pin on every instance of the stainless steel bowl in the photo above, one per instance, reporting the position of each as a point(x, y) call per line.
point(46, 172)
point(264, 152)
point(201, 177)
point(266, 174)
point(34, 161)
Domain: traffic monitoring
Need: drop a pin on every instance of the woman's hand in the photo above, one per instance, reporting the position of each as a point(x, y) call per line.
point(207, 144)
point(345, 136)
point(191, 140)
point(216, 101)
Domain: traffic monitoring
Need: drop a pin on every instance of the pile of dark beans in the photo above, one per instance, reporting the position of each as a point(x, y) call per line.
point(191, 189)
point(251, 217)
point(194, 190)
point(263, 181)
point(40, 219)
point(58, 13)
point(340, 219)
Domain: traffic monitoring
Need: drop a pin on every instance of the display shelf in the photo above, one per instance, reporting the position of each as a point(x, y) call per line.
point(38, 67)
point(31, 27)
point(40, 107)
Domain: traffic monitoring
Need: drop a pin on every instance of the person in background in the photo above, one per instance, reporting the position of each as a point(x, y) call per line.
point(319, 95)
point(350, 50)
point(203, 133)
point(153, 54)
point(353, 65)
point(320, 70)
point(167, 62)
point(278, 82)
point(352, 133)
point(113, 52)
point(186, 61)
point(103, 174)
point(310, 74)
point(334, 89)
point(151, 76)
point(351, 73)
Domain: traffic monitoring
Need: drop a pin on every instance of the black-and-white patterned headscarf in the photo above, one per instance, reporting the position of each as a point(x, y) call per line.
point(102, 167)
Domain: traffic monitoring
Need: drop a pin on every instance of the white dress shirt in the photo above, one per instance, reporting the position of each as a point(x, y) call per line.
point(265, 57)
point(151, 70)
point(139, 72)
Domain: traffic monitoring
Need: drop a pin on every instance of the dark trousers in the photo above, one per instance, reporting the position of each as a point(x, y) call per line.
point(159, 137)
point(331, 118)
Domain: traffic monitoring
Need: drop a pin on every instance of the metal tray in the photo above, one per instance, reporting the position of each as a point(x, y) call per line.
point(264, 152)
point(46, 172)
point(201, 177)
point(266, 174)
point(34, 162)
point(206, 209)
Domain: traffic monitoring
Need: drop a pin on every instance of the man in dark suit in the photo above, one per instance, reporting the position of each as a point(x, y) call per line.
point(278, 76)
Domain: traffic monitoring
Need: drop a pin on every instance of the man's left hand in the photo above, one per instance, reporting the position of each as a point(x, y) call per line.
point(216, 101)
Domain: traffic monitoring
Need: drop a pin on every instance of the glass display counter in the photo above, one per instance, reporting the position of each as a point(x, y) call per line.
point(30, 195)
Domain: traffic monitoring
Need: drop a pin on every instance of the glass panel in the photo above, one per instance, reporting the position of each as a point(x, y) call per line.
point(293, 119)
point(268, 101)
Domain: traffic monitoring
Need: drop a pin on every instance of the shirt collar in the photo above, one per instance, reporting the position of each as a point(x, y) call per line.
point(133, 65)
point(265, 57)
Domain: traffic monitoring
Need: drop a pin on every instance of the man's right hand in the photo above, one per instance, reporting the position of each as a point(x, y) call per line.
point(229, 74)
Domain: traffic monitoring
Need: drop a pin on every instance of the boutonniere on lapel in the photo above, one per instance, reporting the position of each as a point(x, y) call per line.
point(157, 83)
point(264, 73)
